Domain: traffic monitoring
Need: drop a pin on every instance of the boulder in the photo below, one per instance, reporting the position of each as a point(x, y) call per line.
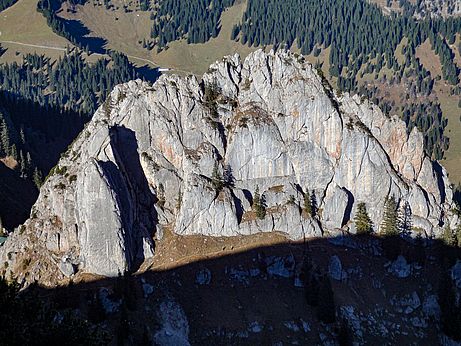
point(335, 268)
point(400, 268)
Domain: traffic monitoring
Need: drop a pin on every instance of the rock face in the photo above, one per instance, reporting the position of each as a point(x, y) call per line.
point(191, 155)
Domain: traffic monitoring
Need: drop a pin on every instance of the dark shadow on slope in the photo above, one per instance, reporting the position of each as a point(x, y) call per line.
point(139, 212)
point(80, 32)
point(247, 298)
point(148, 73)
point(439, 174)
point(51, 129)
point(17, 196)
point(48, 131)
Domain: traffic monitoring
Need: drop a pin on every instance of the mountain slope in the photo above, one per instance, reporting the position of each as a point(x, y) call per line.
point(192, 156)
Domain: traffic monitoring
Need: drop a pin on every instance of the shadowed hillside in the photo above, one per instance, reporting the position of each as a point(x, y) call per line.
point(267, 295)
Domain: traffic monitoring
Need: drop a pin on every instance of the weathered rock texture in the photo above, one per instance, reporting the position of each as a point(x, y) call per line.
point(147, 158)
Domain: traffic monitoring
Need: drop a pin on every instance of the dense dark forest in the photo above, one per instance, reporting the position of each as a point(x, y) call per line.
point(356, 31)
point(70, 83)
point(6, 3)
point(30, 319)
point(196, 20)
point(44, 105)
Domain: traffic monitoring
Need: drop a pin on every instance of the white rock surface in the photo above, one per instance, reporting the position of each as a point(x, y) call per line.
point(146, 160)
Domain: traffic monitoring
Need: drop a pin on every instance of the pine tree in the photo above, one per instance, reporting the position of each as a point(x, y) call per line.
point(22, 164)
point(389, 226)
point(326, 310)
point(38, 178)
point(4, 139)
point(179, 201)
point(258, 204)
point(363, 223)
point(161, 195)
point(313, 204)
point(307, 203)
point(2, 230)
point(458, 235)
point(344, 334)
point(310, 278)
point(22, 137)
point(405, 225)
point(217, 179)
point(449, 237)
point(228, 177)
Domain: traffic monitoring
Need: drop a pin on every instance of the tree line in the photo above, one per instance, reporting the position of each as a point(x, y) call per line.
point(355, 30)
point(44, 105)
point(195, 20)
point(49, 9)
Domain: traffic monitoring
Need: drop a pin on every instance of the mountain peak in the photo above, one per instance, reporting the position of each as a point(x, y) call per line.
point(236, 153)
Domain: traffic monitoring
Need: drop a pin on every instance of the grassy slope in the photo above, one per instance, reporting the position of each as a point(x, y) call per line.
point(122, 30)
point(125, 33)
point(196, 58)
point(23, 23)
point(429, 59)
point(452, 160)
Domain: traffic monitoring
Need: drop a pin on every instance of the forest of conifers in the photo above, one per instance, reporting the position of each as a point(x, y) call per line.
point(45, 104)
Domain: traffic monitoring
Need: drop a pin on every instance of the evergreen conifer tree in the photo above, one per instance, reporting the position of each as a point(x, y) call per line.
point(307, 203)
point(363, 223)
point(37, 177)
point(449, 307)
point(258, 204)
point(405, 225)
point(389, 226)
point(217, 179)
point(449, 237)
point(344, 334)
point(228, 177)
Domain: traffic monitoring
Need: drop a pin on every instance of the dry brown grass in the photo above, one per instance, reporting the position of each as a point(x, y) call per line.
point(21, 22)
point(429, 59)
point(176, 250)
point(196, 58)
point(450, 110)
point(122, 30)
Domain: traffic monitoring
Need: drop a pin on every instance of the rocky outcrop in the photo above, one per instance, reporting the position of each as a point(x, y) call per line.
point(191, 154)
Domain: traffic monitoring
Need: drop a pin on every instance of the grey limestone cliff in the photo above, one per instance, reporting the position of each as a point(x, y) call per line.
point(151, 156)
